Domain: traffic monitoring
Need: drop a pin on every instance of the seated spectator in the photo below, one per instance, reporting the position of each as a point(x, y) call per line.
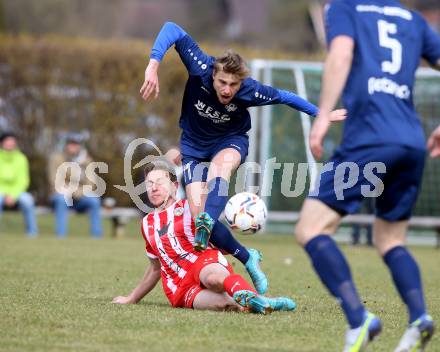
point(74, 151)
point(14, 181)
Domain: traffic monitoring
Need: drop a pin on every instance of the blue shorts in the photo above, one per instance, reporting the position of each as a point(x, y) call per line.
point(390, 174)
point(196, 158)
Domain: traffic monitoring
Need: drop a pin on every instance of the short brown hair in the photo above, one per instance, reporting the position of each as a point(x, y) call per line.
point(231, 62)
point(163, 164)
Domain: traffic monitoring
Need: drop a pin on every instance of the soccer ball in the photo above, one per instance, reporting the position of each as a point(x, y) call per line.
point(246, 212)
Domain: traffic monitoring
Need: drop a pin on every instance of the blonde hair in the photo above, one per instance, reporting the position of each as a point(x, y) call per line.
point(232, 63)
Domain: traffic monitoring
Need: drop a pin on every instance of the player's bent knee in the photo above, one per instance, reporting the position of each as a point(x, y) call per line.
point(304, 233)
point(214, 282)
point(383, 247)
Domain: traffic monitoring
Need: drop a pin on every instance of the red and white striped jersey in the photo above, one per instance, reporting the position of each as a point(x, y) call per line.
point(169, 237)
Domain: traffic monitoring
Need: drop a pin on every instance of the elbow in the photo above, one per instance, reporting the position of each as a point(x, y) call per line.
point(169, 24)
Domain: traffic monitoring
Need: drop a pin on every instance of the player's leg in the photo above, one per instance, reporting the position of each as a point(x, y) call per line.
point(314, 229)
point(224, 160)
point(196, 196)
point(195, 174)
point(224, 163)
point(219, 277)
point(389, 239)
point(337, 194)
point(394, 208)
point(222, 238)
point(210, 300)
point(222, 166)
point(214, 297)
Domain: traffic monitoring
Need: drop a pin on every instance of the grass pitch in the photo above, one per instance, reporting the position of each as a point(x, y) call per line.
point(55, 295)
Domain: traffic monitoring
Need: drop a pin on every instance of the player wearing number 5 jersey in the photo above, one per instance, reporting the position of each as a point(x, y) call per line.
point(374, 50)
point(214, 122)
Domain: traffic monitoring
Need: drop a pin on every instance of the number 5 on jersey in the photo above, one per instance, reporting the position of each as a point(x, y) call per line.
point(385, 29)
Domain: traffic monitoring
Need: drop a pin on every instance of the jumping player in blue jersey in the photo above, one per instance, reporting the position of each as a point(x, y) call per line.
point(374, 49)
point(214, 122)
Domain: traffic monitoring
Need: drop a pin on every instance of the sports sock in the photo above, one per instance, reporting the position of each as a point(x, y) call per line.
point(334, 272)
point(406, 277)
point(234, 283)
point(217, 197)
point(222, 238)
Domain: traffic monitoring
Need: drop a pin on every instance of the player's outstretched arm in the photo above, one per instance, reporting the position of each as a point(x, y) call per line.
point(259, 94)
point(151, 81)
point(434, 143)
point(169, 34)
point(148, 282)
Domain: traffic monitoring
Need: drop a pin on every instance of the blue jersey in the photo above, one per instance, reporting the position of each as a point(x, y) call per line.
point(204, 120)
point(389, 42)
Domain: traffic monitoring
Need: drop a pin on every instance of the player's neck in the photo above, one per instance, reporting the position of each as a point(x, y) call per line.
point(166, 204)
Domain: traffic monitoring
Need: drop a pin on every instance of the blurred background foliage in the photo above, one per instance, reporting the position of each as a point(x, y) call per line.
point(52, 85)
point(77, 65)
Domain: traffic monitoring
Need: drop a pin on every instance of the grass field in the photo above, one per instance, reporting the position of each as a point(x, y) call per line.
point(55, 296)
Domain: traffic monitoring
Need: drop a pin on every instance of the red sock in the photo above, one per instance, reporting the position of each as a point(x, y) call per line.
point(234, 283)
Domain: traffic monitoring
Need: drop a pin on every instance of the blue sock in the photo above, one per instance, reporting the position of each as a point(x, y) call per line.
point(406, 277)
point(333, 269)
point(217, 197)
point(222, 238)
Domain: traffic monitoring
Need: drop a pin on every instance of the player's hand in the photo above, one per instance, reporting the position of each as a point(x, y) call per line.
point(151, 82)
point(317, 134)
point(434, 143)
point(123, 300)
point(174, 156)
point(338, 115)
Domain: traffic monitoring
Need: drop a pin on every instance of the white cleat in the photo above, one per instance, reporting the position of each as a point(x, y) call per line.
point(417, 335)
point(356, 340)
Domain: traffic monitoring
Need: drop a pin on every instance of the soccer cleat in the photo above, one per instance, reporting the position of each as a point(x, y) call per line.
point(263, 305)
point(281, 303)
point(254, 302)
point(252, 266)
point(204, 224)
point(417, 335)
point(357, 339)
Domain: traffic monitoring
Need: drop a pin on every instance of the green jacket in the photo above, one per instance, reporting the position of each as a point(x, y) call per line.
point(14, 173)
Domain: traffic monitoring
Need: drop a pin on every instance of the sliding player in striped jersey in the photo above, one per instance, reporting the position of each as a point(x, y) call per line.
point(214, 122)
point(190, 279)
